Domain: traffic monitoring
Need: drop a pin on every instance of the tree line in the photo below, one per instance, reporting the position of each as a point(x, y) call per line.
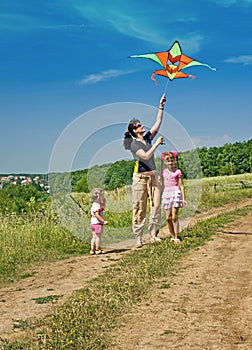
point(230, 159)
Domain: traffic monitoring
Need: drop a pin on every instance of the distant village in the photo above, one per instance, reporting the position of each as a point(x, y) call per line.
point(40, 181)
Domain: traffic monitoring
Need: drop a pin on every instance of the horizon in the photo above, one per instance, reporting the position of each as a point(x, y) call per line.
point(106, 164)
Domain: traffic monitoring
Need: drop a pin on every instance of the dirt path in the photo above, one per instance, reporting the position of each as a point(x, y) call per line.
point(208, 304)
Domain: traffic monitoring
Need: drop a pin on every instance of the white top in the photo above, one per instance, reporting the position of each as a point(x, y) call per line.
point(96, 207)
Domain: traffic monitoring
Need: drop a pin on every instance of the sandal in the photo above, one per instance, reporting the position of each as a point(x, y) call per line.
point(98, 252)
point(155, 239)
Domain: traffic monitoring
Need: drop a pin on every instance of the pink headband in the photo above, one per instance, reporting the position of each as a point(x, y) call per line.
point(175, 154)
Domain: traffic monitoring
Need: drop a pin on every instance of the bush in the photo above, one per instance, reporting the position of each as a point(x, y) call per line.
point(19, 199)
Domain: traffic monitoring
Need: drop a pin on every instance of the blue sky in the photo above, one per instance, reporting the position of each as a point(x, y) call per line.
point(62, 59)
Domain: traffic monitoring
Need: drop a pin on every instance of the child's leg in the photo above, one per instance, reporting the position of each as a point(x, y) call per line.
point(168, 215)
point(175, 222)
point(97, 241)
point(92, 248)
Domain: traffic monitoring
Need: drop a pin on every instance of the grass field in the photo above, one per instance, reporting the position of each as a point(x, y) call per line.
point(32, 239)
point(89, 317)
point(37, 237)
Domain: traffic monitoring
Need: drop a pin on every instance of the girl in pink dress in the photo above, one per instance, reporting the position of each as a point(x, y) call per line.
point(173, 196)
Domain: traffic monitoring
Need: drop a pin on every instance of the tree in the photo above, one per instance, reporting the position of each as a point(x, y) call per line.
point(119, 174)
point(19, 198)
point(82, 185)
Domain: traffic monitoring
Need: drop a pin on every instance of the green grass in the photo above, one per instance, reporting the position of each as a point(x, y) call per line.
point(217, 191)
point(168, 331)
point(88, 319)
point(47, 299)
point(30, 239)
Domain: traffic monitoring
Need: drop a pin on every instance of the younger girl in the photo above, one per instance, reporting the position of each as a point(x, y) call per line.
point(173, 196)
point(97, 219)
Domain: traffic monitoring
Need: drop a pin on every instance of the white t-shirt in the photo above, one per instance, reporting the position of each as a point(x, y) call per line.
point(96, 207)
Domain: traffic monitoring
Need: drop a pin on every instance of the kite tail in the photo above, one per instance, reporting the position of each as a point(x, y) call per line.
point(191, 76)
point(153, 78)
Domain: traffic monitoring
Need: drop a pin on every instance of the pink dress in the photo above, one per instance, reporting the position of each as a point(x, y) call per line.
point(172, 196)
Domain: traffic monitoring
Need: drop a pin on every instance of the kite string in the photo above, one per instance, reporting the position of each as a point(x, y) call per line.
point(166, 86)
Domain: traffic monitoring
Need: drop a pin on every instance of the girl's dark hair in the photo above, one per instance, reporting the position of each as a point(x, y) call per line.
point(127, 140)
point(129, 134)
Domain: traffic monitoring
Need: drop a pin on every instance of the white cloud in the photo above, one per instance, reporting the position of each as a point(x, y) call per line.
point(102, 76)
point(211, 141)
point(148, 24)
point(227, 3)
point(243, 59)
point(125, 17)
point(64, 26)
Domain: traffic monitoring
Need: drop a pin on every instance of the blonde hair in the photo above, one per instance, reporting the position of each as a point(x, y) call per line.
point(168, 156)
point(98, 195)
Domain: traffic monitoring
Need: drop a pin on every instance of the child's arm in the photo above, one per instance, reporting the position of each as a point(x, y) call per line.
point(182, 189)
point(100, 218)
point(162, 180)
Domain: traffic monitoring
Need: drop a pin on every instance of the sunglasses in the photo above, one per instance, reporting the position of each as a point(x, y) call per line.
point(137, 126)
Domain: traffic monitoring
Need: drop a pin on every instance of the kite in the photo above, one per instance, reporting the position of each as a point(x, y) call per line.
point(173, 62)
